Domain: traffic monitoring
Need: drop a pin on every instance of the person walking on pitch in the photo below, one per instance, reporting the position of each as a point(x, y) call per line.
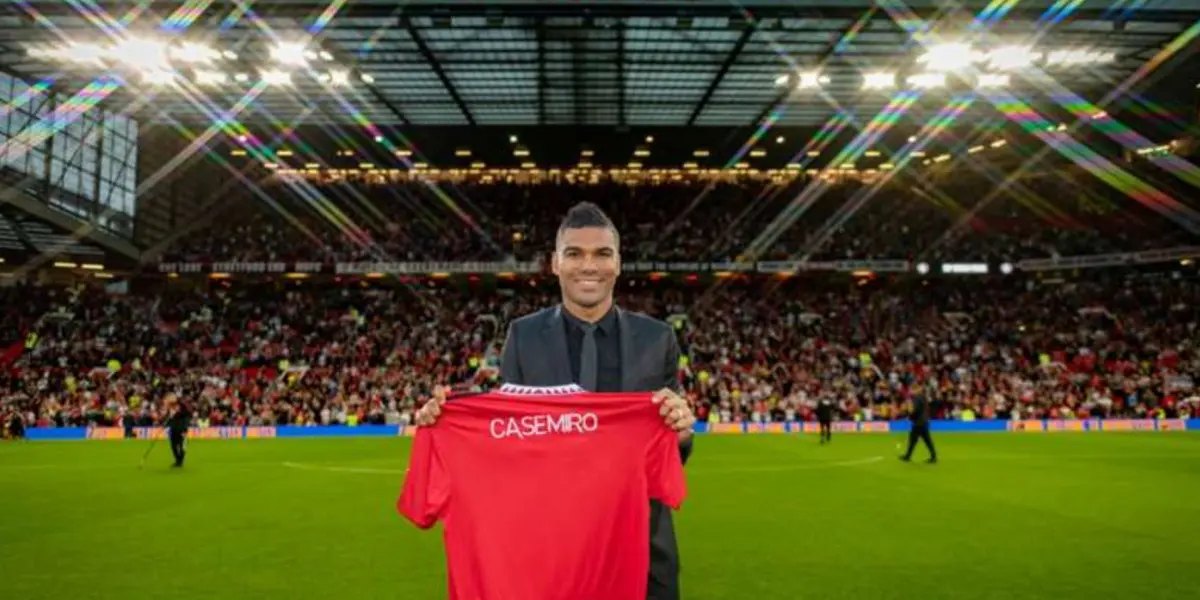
point(920, 428)
point(177, 426)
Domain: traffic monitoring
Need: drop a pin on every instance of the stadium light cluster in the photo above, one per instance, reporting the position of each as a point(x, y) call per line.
point(925, 81)
point(938, 60)
point(958, 56)
point(1155, 151)
point(161, 63)
point(949, 57)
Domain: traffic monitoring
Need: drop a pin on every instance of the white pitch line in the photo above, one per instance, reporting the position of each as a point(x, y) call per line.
point(796, 467)
point(343, 469)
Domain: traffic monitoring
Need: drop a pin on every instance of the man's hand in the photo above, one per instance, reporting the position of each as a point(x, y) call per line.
point(675, 411)
point(428, 415)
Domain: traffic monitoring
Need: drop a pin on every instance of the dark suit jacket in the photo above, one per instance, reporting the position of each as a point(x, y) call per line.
point(535, 354)
point(920, 410)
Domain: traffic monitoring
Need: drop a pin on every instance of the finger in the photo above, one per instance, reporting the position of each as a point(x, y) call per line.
point(677, 417)
point(662, 395)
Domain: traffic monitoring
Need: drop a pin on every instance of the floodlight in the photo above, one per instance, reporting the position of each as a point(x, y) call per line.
point(993, 80)
point(948, 57)
point(141, 53)
point(926, 81)
point(1008, 58)
point(276, 77)
point(812, 79)
point(879, 81)
point(189, 52)
point(158, 77)
point(211, 77)
point(289, 53)
point(1068, 58)
point(80, 53)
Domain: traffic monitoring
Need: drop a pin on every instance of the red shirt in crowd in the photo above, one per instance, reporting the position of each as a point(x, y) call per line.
point(544, 493)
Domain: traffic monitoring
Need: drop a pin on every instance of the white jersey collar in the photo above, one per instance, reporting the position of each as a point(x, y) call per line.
point(532, 390)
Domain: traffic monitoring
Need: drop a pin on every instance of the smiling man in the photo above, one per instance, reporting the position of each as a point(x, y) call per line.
point(589, 341)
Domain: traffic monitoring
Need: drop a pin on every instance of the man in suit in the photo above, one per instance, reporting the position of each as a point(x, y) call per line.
point(920, 428)
point(590, 341)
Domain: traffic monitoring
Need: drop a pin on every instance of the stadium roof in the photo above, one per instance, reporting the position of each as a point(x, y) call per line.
point(638, 64)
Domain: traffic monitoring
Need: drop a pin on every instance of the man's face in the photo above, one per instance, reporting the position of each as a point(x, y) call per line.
point(587, 263)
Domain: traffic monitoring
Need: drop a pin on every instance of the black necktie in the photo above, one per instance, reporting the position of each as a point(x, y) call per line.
point(588, 362)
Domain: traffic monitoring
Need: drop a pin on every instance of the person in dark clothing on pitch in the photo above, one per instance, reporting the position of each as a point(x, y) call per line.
point(825, 418)
point(16, 426)
point(177, 426)
point(920, 428)
point(127, 423)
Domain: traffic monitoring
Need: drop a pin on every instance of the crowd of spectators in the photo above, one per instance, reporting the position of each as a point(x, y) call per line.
point(907, 218)
point(754, 349)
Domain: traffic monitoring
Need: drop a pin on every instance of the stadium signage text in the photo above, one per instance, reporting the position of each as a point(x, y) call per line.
point(240, 267)
point(360, 268)
point(539, 425)
point(694, 267)
point(878, 266)
point(394, 268)
point(787, 266)
point(1109, 260)
point(965, 268)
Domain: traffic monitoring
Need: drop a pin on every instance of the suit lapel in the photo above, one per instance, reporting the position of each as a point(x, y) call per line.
point(555, 336)
point(628, 366)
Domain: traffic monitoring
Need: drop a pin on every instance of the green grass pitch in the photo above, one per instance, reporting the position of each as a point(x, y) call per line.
point(1004, 516)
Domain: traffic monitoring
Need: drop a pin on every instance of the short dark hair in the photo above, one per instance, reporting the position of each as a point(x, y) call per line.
point(587, 214)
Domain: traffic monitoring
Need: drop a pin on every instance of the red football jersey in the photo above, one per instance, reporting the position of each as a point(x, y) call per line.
point(544, 493)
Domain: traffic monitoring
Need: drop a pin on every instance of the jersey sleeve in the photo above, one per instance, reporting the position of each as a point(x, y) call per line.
point(426, 490)
point(664, 469)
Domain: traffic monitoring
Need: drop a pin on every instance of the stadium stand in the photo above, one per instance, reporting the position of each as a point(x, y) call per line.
point(755, 349)
point(661, 221)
